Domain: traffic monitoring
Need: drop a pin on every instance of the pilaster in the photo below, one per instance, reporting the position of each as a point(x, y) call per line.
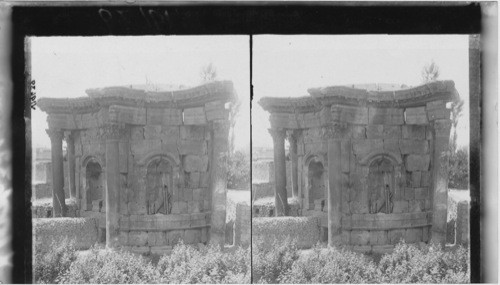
point(58, 198)
point(280, 194)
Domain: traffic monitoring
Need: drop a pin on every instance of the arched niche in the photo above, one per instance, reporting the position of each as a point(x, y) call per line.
point(316, 182)
point(161, 184)
point(383, 187)
point(94, 183)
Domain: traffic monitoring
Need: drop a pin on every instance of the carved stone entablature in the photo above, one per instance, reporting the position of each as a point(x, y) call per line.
point(442, 128)
point(278, 134)
point(128, 97)
point(112, 132)
point(335, 131)
point(55, 134)
point(69, 136)
point(347, 96)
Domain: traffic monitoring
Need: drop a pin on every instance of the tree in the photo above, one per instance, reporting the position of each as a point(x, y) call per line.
point(456, 112)
point(208, 73)
point(430, 72)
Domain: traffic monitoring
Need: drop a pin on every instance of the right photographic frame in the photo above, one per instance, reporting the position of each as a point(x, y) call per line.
point(360, 158)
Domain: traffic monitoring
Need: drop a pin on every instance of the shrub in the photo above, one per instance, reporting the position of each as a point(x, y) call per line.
point(459, 169)
point(83, 231)
point(187, 264)
point(108, 266)
point(306, 229)
point(238, 171)
point(331, 265)
point(53, 260)
point(270, 261)
point(429, 264)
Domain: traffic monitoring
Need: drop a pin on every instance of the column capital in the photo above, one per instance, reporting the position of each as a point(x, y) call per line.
point(292, 135)
point(111, 131)
point(442, 128)
point(55, 134)
point(336, 131)
point(277, 134)
point(69, 136)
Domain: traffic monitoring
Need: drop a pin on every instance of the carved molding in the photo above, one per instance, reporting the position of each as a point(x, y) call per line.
point(293, 136)
point(277, 134)
point(69, 137)
point(336, 131)
point(55, 134)
point(112, 132)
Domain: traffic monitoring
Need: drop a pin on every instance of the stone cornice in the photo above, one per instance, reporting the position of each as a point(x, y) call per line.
point(342, 95)
point(188, 98)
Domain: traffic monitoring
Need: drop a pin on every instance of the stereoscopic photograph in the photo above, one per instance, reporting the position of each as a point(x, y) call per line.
point(141, 159)
point(360, 159)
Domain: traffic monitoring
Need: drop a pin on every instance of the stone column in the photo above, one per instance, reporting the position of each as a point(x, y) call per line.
point(334, 135)
point(440, 180)
point(218, 181)
point(292, 139)
point(112, 133)
point(70, 142)
point(58, 199)
point(280, 194)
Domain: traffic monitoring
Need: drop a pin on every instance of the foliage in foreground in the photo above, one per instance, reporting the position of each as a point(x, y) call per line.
point(53, 260)
point(186, 264)
point(282, 263)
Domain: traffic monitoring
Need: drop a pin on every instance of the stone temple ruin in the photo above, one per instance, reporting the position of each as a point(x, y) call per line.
point(148, 165)
point(372, 165)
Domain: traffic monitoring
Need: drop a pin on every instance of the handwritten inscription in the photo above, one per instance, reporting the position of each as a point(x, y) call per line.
point(156, 19)
point(33, 94)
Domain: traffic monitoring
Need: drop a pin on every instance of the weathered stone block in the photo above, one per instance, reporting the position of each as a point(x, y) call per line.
point(425, 234)
point(349, 114)
point(417, 162)
point(199, 194)
point(216, 111)
point(204, 179)
point(400, 207)
point(358, 207)
point(413, 235)
point(192, 236)
point(362, 148)
point(346, 237)
point(437, 110)
point(414, 146)
point(173, 237)
point(283, 120)
point(385, 116)
point(194, 133)
point(127, 115)
point(416, 178)
point(358, 132)
point(378, 237)
point(362, 248)
point(123, 237)
point(195, 116)
point(345, 154)
point(187, 194)
point(197, 163)
point(311, 120)
point(416, 116)
point(192, 147)
point(183, 207)
point(192, 180)
point(409, 193)
point(383, 132)
point(392, 145)
point(395, 236)
point(204, 235)
point(161, 250)
point(382, 249)
point(157, 238)
point(425, 181)
point(414, 132)
point(157, 116)
point(360, 237)
point(415, 206)
point(138, 238)
point(422, 193)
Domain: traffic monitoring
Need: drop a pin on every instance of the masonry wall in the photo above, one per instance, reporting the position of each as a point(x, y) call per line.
point(404, 134)
point(183, 138)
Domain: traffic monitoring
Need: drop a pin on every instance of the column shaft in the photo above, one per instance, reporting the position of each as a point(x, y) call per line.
point(58, 197)
point(71, 165)
point(218, 181)
point(112, 134)
point(294, 159)
point(334, 191)
point(280, 194)
point(440, 180)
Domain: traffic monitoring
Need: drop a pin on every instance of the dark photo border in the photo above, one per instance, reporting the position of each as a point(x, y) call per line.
point(65, 19)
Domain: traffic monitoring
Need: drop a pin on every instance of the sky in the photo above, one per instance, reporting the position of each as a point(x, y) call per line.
point(286, 66)
point(64, 67)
